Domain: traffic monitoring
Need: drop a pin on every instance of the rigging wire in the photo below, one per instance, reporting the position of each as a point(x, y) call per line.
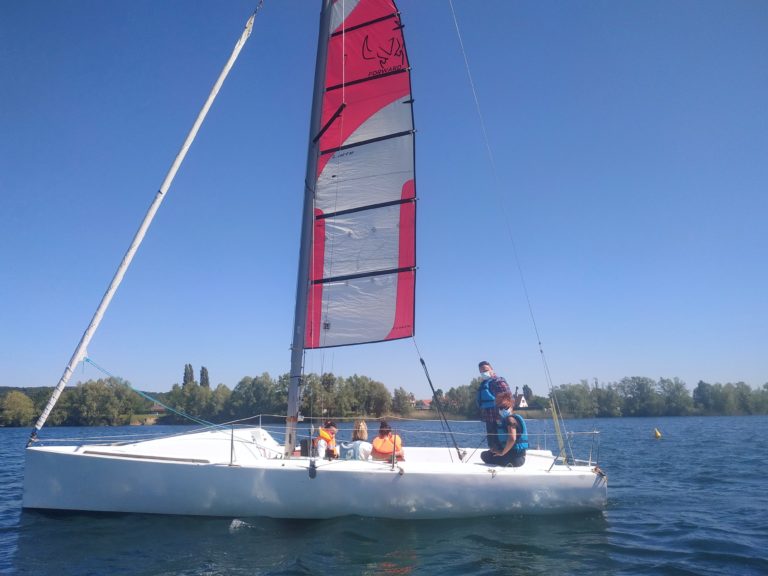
point(503, 204)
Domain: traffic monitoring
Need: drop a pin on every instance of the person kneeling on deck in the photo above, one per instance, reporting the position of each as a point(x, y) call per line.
point(512, 434)
point(386, 444)
point(325, 442)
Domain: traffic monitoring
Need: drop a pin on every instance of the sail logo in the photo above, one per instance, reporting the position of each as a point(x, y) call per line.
point(390, 55)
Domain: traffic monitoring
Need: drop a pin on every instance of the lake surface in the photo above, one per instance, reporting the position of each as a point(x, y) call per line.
point(693, 502)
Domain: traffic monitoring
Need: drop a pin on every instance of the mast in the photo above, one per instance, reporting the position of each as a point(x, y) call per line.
point(302, 282)
point(81, 349)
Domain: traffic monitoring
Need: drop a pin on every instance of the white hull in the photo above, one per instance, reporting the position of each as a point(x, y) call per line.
point(215, 474)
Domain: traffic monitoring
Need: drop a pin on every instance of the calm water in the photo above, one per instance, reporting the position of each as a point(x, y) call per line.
point(694, 502)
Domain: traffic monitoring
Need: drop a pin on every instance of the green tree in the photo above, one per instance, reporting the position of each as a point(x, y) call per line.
point(704, 398)
point(17, 409)
point(219, 401)
point(100, 403)
point(253, 396)
point(60, 413)
point(190, 402)
point(330, 395)
point(641, 397)
point(281, 393)
point(176, 401)
point(204, 381)
point(760, 400)
point(438, 400)
point(745, 398)
point(725, 399)
point(677, 400)
point(189, 375)
point(373, 397)
point(402, 402)
point(538, 402)
point(348, 400)
point(576, 400)
point(527, 393)
point(608, 400)
point(462, 400)
point(318, 394)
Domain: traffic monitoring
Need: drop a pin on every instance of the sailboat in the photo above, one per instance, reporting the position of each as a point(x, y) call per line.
point(356, 284)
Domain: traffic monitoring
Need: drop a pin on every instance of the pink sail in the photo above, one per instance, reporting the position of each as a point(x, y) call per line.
point(362, 265)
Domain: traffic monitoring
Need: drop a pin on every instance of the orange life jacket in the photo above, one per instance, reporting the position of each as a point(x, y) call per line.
point(384, 447)
point(330, 439)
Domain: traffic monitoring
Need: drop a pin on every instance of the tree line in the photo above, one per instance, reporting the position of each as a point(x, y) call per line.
point(640, 396)
point(631, 396)
point(112, 401)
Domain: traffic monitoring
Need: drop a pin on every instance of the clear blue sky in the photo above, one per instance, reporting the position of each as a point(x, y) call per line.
point(631, 150)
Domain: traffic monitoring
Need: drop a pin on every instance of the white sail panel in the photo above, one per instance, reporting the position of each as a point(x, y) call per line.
point(363, 242)
point(361, 306)
point(366, 175)
point(340, 11)
point(389, 120)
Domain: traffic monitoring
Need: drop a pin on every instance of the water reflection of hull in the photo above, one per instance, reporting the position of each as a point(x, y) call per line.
point(76, 544)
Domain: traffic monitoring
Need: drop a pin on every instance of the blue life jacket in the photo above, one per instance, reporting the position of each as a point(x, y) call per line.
point(522, 438)
point(486, 400)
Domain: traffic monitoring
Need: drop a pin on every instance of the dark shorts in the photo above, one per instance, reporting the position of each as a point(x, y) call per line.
point(512, 459)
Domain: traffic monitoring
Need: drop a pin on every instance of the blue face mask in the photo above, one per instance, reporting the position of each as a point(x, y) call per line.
point(486, 375)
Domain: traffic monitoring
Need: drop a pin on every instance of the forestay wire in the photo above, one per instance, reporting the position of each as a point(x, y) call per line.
point(505, 213)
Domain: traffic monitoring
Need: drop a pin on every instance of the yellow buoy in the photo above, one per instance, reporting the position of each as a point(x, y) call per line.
point(656, 433)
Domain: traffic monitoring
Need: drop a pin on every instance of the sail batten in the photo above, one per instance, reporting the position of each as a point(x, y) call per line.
point(363, 255)
point(330, 121)
point(361, 275)
point(369, 207)
point(364, 24)
point(371, 141)
point(367, 79)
